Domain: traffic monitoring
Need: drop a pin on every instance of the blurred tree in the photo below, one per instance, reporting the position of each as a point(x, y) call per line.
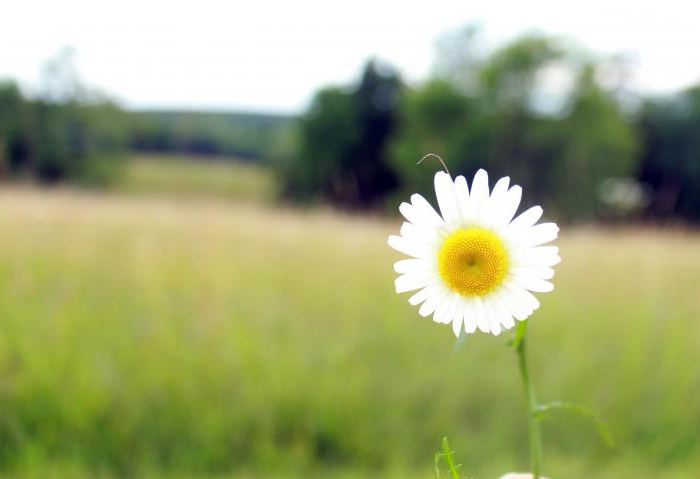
point(328, 135)
point(597, 142)
point(486, 121)
point(560, 155)
point(246, 136)
point(70, 132)
point(75, 141)
point(13, 128)
point(517, 135)
point(356, 146)
point(509, 76)
point(670, 160)
point(458, 58)
point(342, 155)
point(60, 81)
point(435, 118)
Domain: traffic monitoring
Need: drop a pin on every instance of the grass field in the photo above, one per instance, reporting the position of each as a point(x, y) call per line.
point(195, 177)
point(153, 336)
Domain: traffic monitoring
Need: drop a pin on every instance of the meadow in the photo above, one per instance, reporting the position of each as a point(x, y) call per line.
point(161, 335)
point(190, 176)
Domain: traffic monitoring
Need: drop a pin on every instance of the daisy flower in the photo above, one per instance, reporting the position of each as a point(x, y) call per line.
point(473, 265)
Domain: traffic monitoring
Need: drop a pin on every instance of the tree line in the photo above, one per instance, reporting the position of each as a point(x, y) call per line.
point(53, 140)
point(68, 131)
point(556, 119)
point(85, 138)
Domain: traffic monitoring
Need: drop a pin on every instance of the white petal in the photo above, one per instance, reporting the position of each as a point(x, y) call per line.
point(482, 319)
point(528, 218)
point(536, 285)
point(507, 320)
point(539, 262)
point(494, 320)
point(469, 316)
point(522, 296)
point(408, 247)
point(420, 213)
point(492, 212)
point(457, 324)
point(412, 266)
point(433, 301)
point(533, 272)
point(454, 302)
point(500, 187)
point(511, 203)
point(428, 306)
point(514, 301)
point(447, 199)
point(479, 195)
point(526, 296)
point(532, 254)
point(440, 312)
point(412, 281)
point(538, 234)
point(444, 310)
point(420, 296)
point(504, 316)
point(551, 260)
point(419, 216)
point(428, 236)
point(462, 193)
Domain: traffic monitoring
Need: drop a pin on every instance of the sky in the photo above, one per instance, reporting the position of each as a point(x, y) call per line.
point(272, 55)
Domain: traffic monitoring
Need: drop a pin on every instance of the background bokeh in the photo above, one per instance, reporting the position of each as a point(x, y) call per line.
point(207, 291)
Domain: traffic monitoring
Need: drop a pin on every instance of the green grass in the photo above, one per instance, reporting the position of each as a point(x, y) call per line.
point(151, 337)
point(196, 177)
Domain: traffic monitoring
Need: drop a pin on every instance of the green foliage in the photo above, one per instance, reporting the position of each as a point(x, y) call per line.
point(494, 111)
point(543, 411)
point(509, 76)
point(595, 142)
point(74, 141)
point(14, 128)
point(329, 133)
point(559, 157)
point(446, 455)
point(53, 141)
point(670, 161)
point(434, 119)
point(240, 135)
point(342, 155)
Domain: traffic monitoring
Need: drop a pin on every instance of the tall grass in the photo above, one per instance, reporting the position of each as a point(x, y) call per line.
point(149, 337)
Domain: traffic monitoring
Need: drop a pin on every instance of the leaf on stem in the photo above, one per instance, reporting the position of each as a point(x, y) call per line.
point(448, 455)
point(542, 411)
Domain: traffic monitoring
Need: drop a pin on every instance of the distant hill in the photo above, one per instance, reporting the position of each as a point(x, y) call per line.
point(251, 136)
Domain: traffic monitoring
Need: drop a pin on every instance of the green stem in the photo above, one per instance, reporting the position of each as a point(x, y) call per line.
point(534, 423)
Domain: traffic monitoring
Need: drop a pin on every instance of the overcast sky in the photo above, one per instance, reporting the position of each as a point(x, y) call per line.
point(272, 55)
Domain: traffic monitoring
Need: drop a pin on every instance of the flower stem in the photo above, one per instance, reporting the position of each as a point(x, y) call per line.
point(533, 422)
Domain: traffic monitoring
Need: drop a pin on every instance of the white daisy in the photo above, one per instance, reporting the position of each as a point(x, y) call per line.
point(474, 265)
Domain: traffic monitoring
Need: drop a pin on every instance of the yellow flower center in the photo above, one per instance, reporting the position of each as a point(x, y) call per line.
point(473, 261)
